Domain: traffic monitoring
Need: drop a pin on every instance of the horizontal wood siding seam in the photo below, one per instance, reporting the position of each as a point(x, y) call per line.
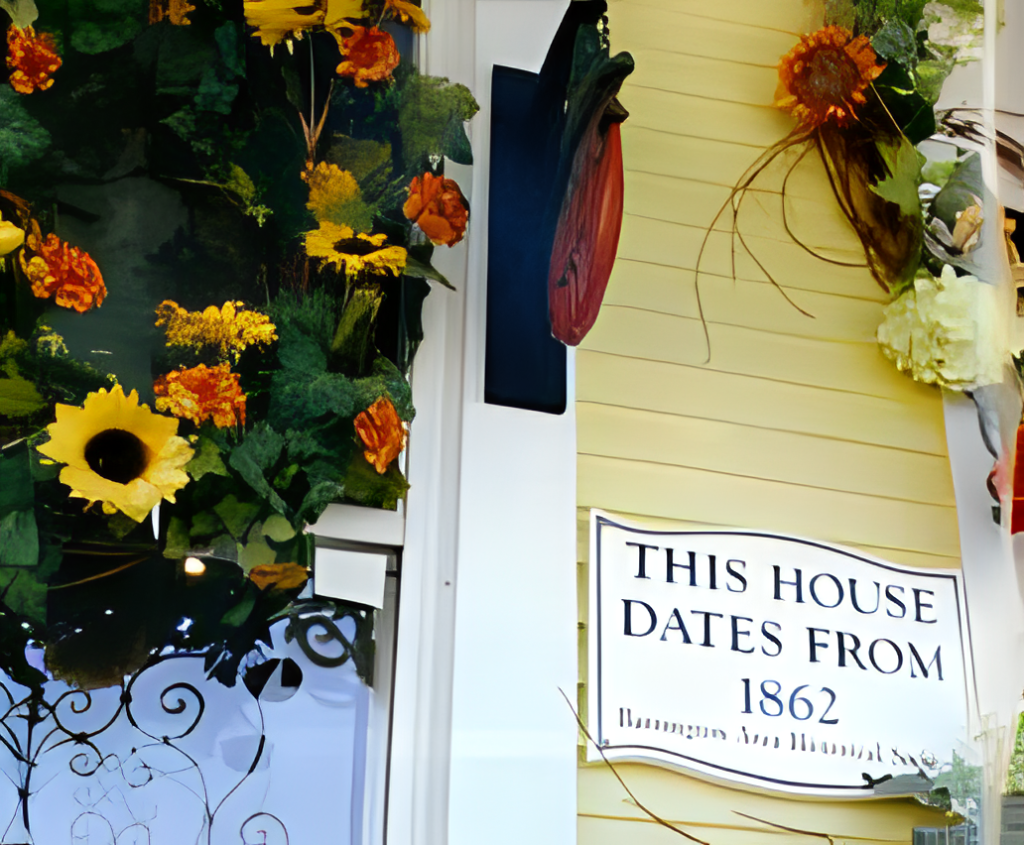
point(784, 482)
point(908, 421)
point(700, 495)
point(739, 449)
point(676, 292)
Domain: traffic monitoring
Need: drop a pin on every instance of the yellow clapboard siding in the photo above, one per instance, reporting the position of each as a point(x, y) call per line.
point(701, 495)
point(795, 425)
point(790, 18)
point(690, 74)
point(742, 303)
point(853, 367)
point(696, 443)
point(902, 556)
point(907, 422)
point(690, 203)
point(651, 28)
point(675, 245)
point(753, 127)
point(710, 812)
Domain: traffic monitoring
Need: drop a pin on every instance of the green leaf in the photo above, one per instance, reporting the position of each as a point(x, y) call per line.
point(278, 529)
point(23, 593)
point(896, 42)
point(177, 543)
point(900, 187)
point(237, 615)
point(237, 516)
point(353, 341)
point(16, 490)
point(19, 539)
point(912, 113)
point(205, 524)
point(19, 398)
point(432, 119)
point(258, 453)
point(422, 270)
point(363, 484)
point(206, 461)
point(23, 140)
point(320, 495)
point(255, 552)
point(385, 380)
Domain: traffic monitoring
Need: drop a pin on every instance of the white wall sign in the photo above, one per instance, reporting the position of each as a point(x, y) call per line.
point(772, 661)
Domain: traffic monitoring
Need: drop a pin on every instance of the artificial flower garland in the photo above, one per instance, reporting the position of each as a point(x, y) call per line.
point(278, 320)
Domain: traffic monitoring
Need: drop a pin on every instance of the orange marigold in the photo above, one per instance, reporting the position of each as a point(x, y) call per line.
point(824, 77)
point(438, 207)
point(202, 393)
point(33, 58)
point(369, 55)
point(382, 432)
point(62, 271)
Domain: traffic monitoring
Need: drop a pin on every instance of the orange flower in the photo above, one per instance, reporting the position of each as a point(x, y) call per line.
point(201, 393)
point(438, 207)
point(824, 77)
point(382, 432)
point(62, 271)
point(33, 58)
point(369, 55)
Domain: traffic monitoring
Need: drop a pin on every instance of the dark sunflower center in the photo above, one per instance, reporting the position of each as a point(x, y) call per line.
point(830, 79)
point(355, 246)
point(116, 455)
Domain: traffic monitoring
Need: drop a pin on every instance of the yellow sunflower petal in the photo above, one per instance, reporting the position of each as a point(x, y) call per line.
point(411, 14)
point(162, 454)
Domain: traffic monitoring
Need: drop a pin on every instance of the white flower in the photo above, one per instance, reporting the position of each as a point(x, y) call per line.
point(943, 331)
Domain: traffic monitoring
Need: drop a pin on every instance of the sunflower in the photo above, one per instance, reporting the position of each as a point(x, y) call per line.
point(283, 20)
point(118, 452)
point(824, 77)
point(336, 244)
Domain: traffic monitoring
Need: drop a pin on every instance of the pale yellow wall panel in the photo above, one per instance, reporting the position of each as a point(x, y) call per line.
point(674, 245)
point(684, 156)
point(691, 203)
point(651, 28)
point(687, 74)
point(795, 425)
point(856, 367)
point(762, 453)
point(704, 496)
point(676, 797)
point(735, 302)
point(753, 127)
point(791, 17)
point(908, 422)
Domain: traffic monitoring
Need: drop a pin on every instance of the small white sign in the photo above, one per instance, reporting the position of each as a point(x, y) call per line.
point(773, 661)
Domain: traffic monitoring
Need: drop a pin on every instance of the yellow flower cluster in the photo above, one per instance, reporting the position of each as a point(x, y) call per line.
point(230, 328)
